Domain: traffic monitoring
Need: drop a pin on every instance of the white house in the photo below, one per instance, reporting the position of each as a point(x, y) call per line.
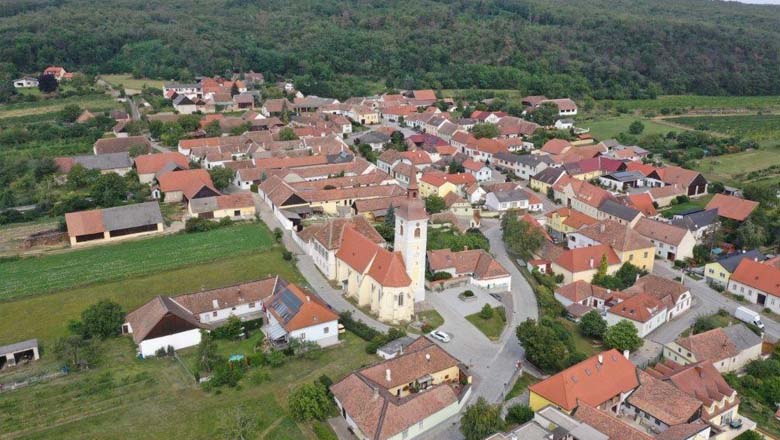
point(295, 314)
point(479, 170)
point(162, 323)
point(475, 265)
point(643, 310)
point(26, 82)
point(502, 201)
point(757, 282)
point(729, 348)
point(671, 242)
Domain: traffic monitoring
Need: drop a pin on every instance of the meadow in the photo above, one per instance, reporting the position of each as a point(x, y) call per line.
point(92, 102)
point(73, 268)
point(609, 127)
point(695, 102)
point(756, 127)
point(127, 81)
point(734, 169)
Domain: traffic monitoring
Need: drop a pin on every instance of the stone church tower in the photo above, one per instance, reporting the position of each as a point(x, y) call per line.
point(411, 237)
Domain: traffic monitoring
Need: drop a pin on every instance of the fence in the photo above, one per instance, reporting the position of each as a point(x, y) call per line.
point(30, 381)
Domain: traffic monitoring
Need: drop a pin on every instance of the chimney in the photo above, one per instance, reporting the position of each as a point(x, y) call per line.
point(601, 359)
point(603, 227)
point(592, 262)
point(427, 357)
point(625, 354)
point(387, 375)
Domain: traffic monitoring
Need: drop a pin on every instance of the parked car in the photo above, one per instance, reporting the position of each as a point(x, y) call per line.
point(440, 336)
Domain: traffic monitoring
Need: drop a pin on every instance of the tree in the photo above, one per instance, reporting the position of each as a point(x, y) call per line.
point(238, 424)
point(593, 325)
point(287, 134)
point(520, 237)
point(75, 351)
point(390, 217)
point(308, 402)
point(102, 320)
point(519, 414)
point(481, 420)
point(234, 89)
point(486, 312)
point(544, 115)
point(485, 130)
point(434, 204)
point(623, 336)
point(455, 167)
point(750, 235)
point(213, 129)
point(222, 177)
point(749, 435)
point(47, 83)
point(636, 127)
point(70, 113)
point(80, 177)
point(207, 353)
point(542, 345)
point(109, 189)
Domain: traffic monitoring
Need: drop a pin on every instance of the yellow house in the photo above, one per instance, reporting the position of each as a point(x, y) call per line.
point(431, 184)
point(579, 264)
point(719, 272)
point(564, 221)
point(545, 179)
point(235, 206)
point(629, 245)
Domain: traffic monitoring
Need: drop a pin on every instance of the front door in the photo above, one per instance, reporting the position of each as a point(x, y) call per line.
point(761, 299)
point(670, 256)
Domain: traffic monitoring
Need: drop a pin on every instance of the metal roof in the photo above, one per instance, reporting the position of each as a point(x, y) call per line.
point(19, 346)
point(131, 216)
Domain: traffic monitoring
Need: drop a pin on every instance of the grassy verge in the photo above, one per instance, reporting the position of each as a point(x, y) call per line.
point(491, 327)
point(38, 275)
point(432, 318)
point(521, 384)
point(157, 398)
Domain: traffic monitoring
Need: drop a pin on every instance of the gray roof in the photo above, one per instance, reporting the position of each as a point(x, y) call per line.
point(205, 204)
point(615, 209)
point(742, 337)
point(625, 176)
point(374, 137)
point(182, 100)
point(510, 196)
point(19, 346)
point(549, 175)
point(131, 216)
point(108, 161)
point(730, 262)
point(175, 85)
point(611, 143)
point(396, 345)
point(696, 220)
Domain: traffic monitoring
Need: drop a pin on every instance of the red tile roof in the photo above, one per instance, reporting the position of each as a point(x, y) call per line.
point(731, 207)
point(182, 180)
point(85, 222)
point(425, 94)
point(356, 250)
point(763, 277)
point(640, 308)
point(642, 202)
point(556, 146)
point(586, 258)
point(152, 163)
point(388, 269)
point(607, 424)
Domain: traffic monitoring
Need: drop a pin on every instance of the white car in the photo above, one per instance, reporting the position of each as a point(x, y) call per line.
point(440, 336)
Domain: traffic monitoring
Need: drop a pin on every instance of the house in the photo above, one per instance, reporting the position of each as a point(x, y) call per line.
point(564, 124)
point(458, 205)
point(56, 71)
point(729, 349)
point(122, 145)
point(613, 210)
point(757, 282)
point(479, 170)
point(671, 242)
point(548, 423)
point(375, 139)
point(659, 405)
point(564, 221)
point(630, 246)
point(238, 206)
point(376, 209)
point(602, 381)
point(719, 272)
point(623, 180)
point(582, 295)
point(109, 224)
point(185, 105)
point(581, 196)
point(119, 163)
point(642, 202)
point(674, 295)
point(643, 310)
point(487, 116)
point(19, 353)
point(607, 422)
point(293, 314)
point(322, 241)
point(26, 82)
point(731, 207)
point(474, 193)
point(162, 323)
point(502, 201)
point(192, 90)
point(556, 147)
point(663, 196)
point(545, 179)
point(523, 166)
point(694, 184)
point(185, 185)
point(700, 223)
point(148, 166)
point(275, 107)
point(475, 265)
point(440, 184)
point(581, 263)
point(403, 397)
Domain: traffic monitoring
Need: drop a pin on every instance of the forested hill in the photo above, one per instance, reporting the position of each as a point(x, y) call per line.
point(599, 48)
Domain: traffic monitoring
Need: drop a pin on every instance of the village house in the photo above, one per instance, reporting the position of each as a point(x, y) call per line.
point(757, 282)
point(694, 184)
point(479, 170)
point(545, 179)
point(239, 206)
point(564, 221)
point(731, 207)
point(580, 297)
point(549, 422)
point(578, 264)
point(630, 246)
point(111, 224)
point(719, 272)
point(502, 201)
point(580, 195)
point(122, 145)
point(404, 397)
point(674, 295)
point(183, 186)
point(440, 184)
point(700, 223)
point(26, 82)
point(659, 406)
point(475, 266)
point(149, 166)
point(119, 163)
point(643, 310)
point(375, 139)
point(294, 314)
point(671, 242)
point(729, 349)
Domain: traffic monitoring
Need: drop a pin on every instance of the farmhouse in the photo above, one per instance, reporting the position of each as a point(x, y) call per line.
point(476, 266)
point(163, 323)
point(185, 185)
point(102, 225)
point(149, 166)
point(671, 242)
point(239, 206)
point(630, 246)
point(643, 310)
point(122, 145)
point(292, 313)
point(729, 349)
point(119, 163)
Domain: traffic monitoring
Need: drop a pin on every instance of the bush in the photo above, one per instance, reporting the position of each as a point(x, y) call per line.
point(518, 414)
point(309, 402)
point(231, 330)
point(275, 359)
point(197, 224)
point(359, 328)
point(287, 255)
point(278, 234)
point(438, 276)
point(226, 374)
point(253, 188)
point(468, 294)
point(102, 320)
point(486, 312)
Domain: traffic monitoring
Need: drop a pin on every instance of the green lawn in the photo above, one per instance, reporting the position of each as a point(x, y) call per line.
point(583, 345)
point(698, 203)
point(756, 127)
point(686, 102)
point(492, 327)
point(609, 127)
point(158, 399)
point(38, 275)
point(129, 82)
point(521, 384)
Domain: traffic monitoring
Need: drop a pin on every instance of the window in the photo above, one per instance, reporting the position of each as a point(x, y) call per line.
point(401, 299)
point(214, 313)
point(237, 213)
point(631, 257)
point(417, 232)
point(326, 330)
point(251, 305)
point(302, 336)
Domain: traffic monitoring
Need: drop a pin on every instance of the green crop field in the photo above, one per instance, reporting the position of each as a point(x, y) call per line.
point(693, 102)
point(37, 275)
point(93, 102)
point(756, 127)
point(609, 127)
point(734, 169)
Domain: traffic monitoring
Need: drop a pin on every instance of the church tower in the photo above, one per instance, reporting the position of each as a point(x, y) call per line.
point(411, 237)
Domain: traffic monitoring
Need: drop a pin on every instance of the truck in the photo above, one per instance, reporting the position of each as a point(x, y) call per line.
point(744, 314)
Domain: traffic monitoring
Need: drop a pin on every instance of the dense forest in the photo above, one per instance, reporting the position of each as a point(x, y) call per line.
point(597, 48)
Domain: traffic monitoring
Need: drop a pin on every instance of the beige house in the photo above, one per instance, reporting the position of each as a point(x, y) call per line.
point(110, 224)
point(671, 242)
point(239, 206)
point(729, 348)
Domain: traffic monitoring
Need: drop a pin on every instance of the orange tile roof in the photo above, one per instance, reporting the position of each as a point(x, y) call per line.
point(356, 250)
point(764, 277)
point(731, 207)
point(643, 202)
point(607, 424)
point(472, 165)
point(677, 175)
point(468, 262)
point(388, 269)
point(586, 258)
point(437, 178)
point(643, 168)
point(556, 146)
point(659, 231)
point(182, 180)
point(640, 308)
point(85, 222)
point(589, 381)
point(711, 345)
point(312, 311)
point(619, 236)
point(237, 200)
point(417, 157)
point(580, 290)
point(152, 163)
point(425, 94)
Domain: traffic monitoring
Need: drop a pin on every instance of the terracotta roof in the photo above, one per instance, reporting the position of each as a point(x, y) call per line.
point(643, 202)
point(664, 401)
point(590, 381)
point(581, 290)
point(491, 146)
point(378, 205)
point(224, 297)
point(764, 277)
point(182, 180)
point(665, 290)
point(586, 258)
point(360, 192)
point(643, 168)
point(388, 269)
point(677, 175)
point(453, 198)
point(295, 309)
point(731, 207)
point(417, 157)
point(640, 308)
point(473, 165)
point(608, 424)
point(330, 234)
point(573, 218)
point(437, 178)
point(356, 249)
point(152, 163)
point(711, 345)
point(682, 432)
point(424, 94)
point(121, 144)
point(556, 146)
point(474, 262)
point(144, 319)
point(85, 222)
point(659, 231)
point(701, 381)
point(620, 237)
point(659, 192)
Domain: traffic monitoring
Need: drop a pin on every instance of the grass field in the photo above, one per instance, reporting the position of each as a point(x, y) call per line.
point(94, 102)
point(732, 169)
point(756, 127)
point(698, 203)
point(609, 127)
point(693, 102)
point(491, 327)
point(157, 398)
point(129, 82)
point(38, 275)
